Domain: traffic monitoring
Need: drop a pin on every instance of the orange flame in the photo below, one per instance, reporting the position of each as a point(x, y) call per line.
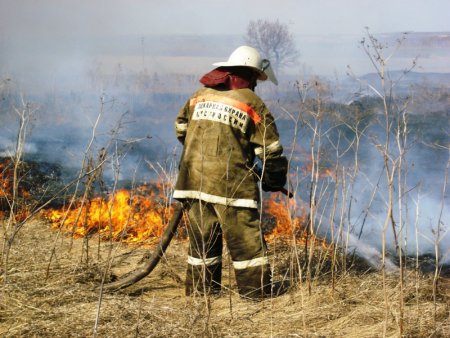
point(124, 215)
point(286, 224)
point(6, 181)
point(142, 214)
point(21, 211)
point(290, 226)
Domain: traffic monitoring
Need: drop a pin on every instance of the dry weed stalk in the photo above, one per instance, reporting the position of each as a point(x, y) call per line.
point(116, 165)
point(395, 124)
point(315, 151)
point(438, 237)
point(295, 261)
point(439, 231)
point(13, 225)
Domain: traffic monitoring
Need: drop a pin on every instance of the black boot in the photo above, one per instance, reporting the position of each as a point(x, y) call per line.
point(256, 283)
point(202, 279)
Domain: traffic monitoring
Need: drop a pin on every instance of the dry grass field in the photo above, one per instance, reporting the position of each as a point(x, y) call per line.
point(66, 303)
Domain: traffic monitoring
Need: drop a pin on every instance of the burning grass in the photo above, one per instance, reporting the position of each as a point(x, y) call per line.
point(64, 303)
point(35, 182)
point(143, 213)
point(124, 215)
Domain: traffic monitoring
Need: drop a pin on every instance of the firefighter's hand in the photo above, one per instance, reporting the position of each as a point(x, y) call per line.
point(275, 173)
point(266, 187)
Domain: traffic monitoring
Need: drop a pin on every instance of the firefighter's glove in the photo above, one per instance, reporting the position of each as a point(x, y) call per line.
point(275, 171)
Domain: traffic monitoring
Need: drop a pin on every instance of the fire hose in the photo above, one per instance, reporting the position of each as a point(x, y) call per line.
point(151, 263)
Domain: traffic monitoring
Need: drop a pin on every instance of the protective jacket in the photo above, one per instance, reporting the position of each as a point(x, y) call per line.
point(222, 131)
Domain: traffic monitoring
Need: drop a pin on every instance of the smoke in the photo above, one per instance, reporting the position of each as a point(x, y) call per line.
point(354, 204)
point(133, 124)
point(358, 220)
point(359, 225)
point(8, 147)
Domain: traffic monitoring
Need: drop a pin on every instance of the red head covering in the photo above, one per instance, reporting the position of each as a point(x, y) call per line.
point(230, 78)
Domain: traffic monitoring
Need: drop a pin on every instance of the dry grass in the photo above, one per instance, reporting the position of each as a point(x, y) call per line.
point(65, 304)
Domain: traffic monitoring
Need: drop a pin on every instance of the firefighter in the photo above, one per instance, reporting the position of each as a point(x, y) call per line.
point(226, 131)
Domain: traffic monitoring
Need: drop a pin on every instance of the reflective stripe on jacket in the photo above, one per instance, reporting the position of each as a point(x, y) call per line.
point(222, 132)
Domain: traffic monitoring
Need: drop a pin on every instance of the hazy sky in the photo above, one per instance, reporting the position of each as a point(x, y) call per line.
point(44, 38)
point(57, 17)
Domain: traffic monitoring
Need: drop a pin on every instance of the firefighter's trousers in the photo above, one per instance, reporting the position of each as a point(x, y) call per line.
point(241, 229)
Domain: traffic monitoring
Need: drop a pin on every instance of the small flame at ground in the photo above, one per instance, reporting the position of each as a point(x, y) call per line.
point(291, 221)
point(7, 195)
point(277, 208)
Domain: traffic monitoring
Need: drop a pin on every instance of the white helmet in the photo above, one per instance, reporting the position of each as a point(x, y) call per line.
point(249, 57)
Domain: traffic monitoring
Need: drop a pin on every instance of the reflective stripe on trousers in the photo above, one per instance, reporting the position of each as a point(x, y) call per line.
point(245, 242)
